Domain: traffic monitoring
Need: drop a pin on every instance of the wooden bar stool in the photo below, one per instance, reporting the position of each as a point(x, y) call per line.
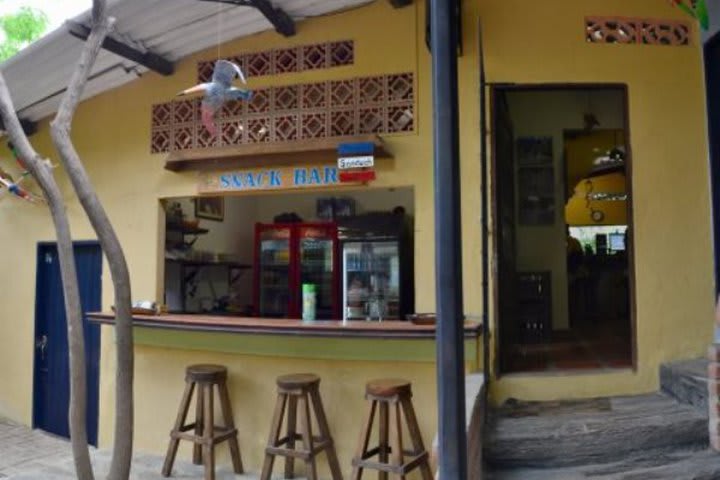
point(391, 396)
point(297, 391)
point(205, 434)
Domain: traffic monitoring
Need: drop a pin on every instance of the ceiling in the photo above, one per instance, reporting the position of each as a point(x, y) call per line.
point(173, 29)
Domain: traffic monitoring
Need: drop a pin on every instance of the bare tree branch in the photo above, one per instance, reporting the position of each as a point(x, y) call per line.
point(78, 388)
point(60, 131)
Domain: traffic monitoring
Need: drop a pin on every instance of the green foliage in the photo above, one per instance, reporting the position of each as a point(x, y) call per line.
point(20, 29)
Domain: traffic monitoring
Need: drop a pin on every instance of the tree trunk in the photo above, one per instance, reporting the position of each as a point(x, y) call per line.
point(60, 131)
point(78, 388)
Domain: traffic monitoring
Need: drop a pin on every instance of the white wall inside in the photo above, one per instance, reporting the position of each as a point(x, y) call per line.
point(539, 113)
point(304, 204)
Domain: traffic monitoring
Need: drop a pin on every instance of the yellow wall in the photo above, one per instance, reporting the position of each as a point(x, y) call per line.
point(112, 134)
point(252, 388)
point(524, 42)
point(543, 42)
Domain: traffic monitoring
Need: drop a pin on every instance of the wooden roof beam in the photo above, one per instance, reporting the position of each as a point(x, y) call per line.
point(149, 60)
point(28, 126)
point(401, 3)
point(283, 23)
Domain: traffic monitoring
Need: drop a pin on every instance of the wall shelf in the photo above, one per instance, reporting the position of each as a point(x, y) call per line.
point(268, 154)
point(218, 263)
point(186, 230)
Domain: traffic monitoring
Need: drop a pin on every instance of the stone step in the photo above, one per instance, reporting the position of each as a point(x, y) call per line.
point(682, 465)
point(686, 381)
point(588, 432)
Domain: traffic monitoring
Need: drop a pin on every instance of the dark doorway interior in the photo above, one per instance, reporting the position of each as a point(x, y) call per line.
point(563, 215)
point(712, 78)
point(51, 380)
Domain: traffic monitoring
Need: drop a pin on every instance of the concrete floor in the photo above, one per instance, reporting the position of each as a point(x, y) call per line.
point(23, 450)
point(34, 455)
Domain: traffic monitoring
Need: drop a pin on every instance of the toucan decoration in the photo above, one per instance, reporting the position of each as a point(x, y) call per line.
point(696, 9)
point(219, 91)
point(14, 187)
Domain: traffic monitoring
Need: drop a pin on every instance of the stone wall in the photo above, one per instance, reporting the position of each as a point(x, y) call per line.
point(475, 422)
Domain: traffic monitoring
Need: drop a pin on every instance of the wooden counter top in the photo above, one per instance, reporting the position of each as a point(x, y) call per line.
point(274, 326)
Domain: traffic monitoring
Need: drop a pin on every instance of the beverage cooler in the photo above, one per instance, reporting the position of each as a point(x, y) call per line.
point(377, 273)
point(290, 255)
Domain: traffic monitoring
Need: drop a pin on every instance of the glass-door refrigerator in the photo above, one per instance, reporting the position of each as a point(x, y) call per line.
point(371, 274)
point(290, 255)
point(377, 267)
point(273, 270)
point(318, 265)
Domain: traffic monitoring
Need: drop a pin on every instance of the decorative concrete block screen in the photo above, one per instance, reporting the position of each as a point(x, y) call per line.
point(288, 60)
point(336, 108)
point(637, 31)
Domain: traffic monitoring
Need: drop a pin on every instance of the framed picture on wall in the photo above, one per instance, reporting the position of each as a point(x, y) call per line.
point(210, 208)
point(534, 151)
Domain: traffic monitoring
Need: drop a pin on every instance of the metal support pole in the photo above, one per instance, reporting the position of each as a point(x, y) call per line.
point(448, 255)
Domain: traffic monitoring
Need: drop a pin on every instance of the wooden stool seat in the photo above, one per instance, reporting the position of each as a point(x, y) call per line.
point(298, 395)
point(206, 373)
point(388, 387)
point(205, 435)
point(393, 398)
point(297, 380)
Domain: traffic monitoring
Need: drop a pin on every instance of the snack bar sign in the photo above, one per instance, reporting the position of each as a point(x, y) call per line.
point(263, 179)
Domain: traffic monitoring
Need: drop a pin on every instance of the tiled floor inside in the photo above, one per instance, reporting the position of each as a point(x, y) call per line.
point(593, 346)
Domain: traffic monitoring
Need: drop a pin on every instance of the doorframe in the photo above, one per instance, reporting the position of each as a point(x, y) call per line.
point(39, 248)
point(495, 88)
point(713, 125)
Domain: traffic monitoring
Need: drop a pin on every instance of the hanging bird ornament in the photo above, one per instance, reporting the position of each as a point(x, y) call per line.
point(219, 91)
point(696, 9)
point(13, 187)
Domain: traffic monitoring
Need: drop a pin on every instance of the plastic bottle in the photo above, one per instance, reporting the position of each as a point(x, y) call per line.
point(309, 302)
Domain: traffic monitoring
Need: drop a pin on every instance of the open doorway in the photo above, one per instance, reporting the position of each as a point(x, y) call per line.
point(564, 228)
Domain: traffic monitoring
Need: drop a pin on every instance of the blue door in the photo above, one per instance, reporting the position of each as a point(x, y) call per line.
point(52, 376)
